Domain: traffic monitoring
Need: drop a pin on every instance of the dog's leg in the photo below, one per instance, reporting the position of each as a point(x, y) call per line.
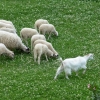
point(84, 69)
point(67, 72)
point(59, 70)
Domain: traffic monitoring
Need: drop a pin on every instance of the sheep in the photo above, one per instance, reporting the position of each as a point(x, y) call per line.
point(73, 64)
point(36, 37)
point(6, 21)
point(49, 45)
point(40, 49)
point(40, 22)
point(48, 28)
point(12, 41)
point(5, 50)
point(2, 24)
point(26, 33)
point(8, 30)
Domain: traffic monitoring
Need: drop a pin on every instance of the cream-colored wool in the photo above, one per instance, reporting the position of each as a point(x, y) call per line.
point(5, 50)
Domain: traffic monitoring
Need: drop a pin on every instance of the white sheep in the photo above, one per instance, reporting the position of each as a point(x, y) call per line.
point(73, 64)
point(7, 25)
point(36, 37)
point(48, 29)
point(40, 22)
point(26, 33)
point(12, 41)
point(5, 50)
point(8, 30)
point(49, 45)
point(6, 21)
point(40, 49)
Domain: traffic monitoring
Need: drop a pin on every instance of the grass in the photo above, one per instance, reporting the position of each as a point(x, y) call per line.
point(78, 24)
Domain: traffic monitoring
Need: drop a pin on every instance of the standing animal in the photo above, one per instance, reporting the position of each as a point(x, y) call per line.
point(40, 49)
point(12, 41)
point(26, 33)
point(73, 64)
point(40, 22)
point(5, 50)
point(8, 30)
point(48, 28)
point(48, 44)
point(36, 37)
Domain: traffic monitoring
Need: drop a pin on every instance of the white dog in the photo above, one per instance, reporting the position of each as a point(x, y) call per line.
point(73, 64)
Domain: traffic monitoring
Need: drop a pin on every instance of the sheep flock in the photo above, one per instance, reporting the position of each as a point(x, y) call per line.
point(38, 35)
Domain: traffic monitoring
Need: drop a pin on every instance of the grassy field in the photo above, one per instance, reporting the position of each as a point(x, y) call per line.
point(78, 24)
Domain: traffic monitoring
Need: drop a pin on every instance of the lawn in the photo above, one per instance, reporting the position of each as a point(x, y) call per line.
point(78, 25)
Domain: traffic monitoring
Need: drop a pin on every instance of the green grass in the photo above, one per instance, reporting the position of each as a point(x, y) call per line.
point(78, 24)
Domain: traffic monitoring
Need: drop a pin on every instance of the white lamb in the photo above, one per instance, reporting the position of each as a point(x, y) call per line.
point(5, 50)
point(8, 30)
point(12, 41)
point(40, 49)
point(40, 22)
point(2, 24)
point(26, 33)
point(73, 64)
point(48, 29)
point(36, 37)
point(49, 45)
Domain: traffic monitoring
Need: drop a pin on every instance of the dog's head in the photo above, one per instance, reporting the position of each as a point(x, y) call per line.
point(90, 56)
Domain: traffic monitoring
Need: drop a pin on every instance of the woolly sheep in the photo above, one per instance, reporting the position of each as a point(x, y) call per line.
point(49, 45)
point(2, 24)
point(5, 50)
point(73, 64)
point(12, 41)
point(40, 22)
point(40, 49)
point(27, 33)
point(6, 21)
point(36, 37)
point(8, 30)
point(48, 28)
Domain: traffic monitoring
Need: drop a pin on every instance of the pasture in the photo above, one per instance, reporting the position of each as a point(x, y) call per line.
point(78, 25)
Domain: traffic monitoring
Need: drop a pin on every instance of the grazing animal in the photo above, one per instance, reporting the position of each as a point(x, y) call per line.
point(73, 64)
point(5, 50)
point(40, 22)
point(40, 49)
point(48, 29)
point(12, 41)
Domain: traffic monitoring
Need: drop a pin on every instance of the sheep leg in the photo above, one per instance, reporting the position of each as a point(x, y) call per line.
point(46, 56)
point(49, 35)
point(59, 70)
point(39, 56)
point(35, 56)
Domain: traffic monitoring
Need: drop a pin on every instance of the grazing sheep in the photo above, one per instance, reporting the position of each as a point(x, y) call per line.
point(8, 30)
point(6, 21)
point(36, 37)
point(40, 22)
point(26, 33)
point(49, 45)
point(2, 24)
point(40, 49)
point(5, 50)
point(48, 28)
point(12, 41)
point(73, 64)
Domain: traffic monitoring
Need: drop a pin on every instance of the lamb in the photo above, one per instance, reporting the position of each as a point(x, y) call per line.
point(8, 30)
point(49, 45)
point(48, 28)
point(40, 49)
point(40, 22)
point(5, 50)
point(36, 37)
point(26, 33)
point(73, 64)
point(12, 41)
point(7, 25)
